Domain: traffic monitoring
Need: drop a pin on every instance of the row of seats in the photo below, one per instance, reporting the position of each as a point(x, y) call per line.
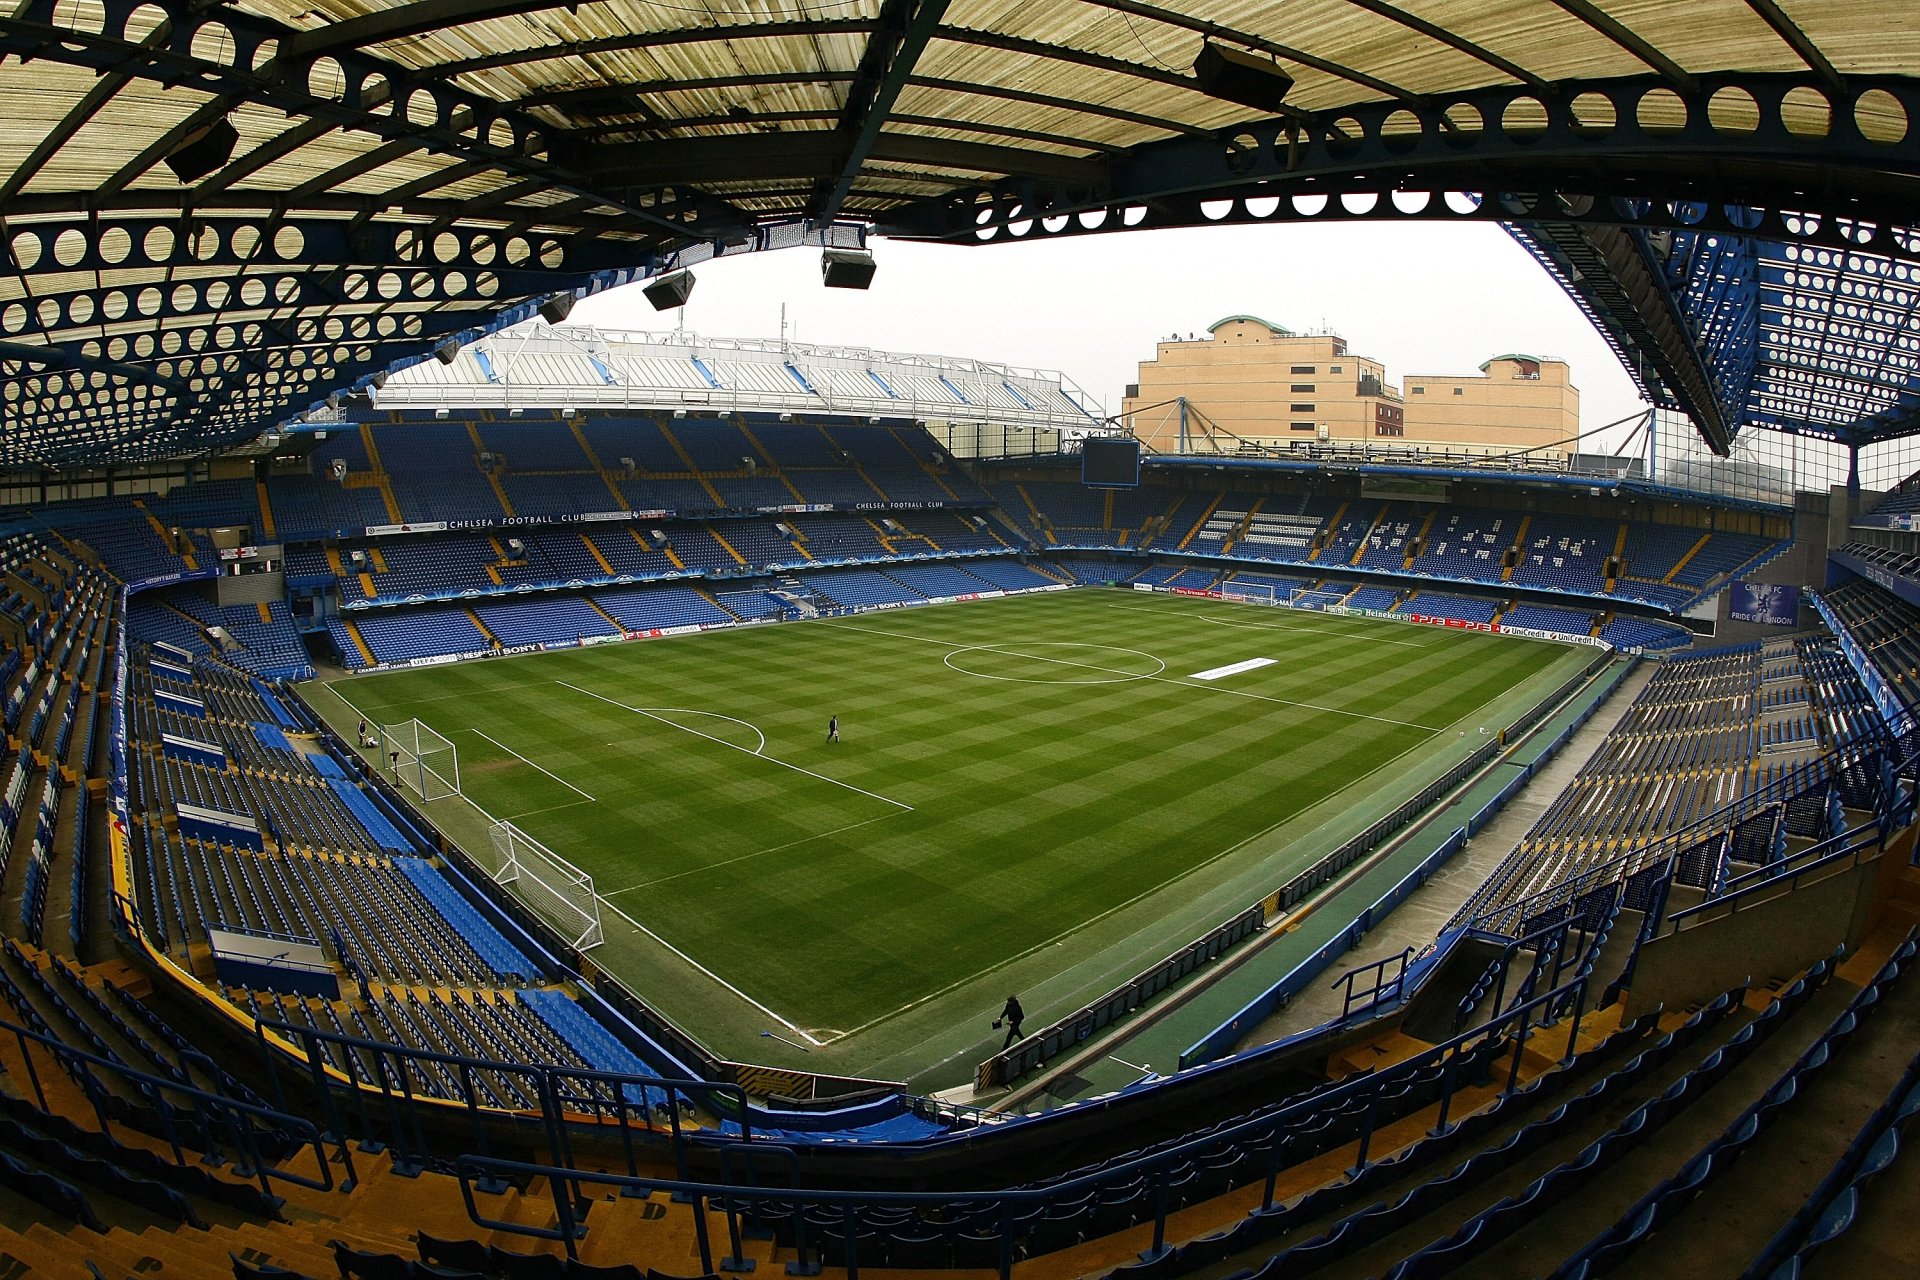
point(456, 469)
point(1887, 628)
point(1688, 746)
point(558, 618)
point(1663, 565)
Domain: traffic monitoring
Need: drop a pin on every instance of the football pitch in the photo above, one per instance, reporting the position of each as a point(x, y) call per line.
point(1042, 794)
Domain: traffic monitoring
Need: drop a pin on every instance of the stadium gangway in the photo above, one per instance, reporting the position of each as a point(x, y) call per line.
point(202, 1122)
point(1260, 1134)
point(383, 1101)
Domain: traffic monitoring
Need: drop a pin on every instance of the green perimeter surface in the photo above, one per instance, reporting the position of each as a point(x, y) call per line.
point(1030, 794)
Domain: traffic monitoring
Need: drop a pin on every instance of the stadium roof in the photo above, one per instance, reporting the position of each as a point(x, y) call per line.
point(217, 213)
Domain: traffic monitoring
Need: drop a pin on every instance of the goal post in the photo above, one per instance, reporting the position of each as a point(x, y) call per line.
point(420, 759)
point(1249, 592)
point(556, 890)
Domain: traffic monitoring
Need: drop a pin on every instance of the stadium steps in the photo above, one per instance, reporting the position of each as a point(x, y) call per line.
point(378, 558)
point(499, 491)
point(335, 563)
point(1240, 529)
point(359, 642)
point(704, 594)
point(605, 566)
point(58, 903)
point(14, 879)
point(586, 449)
point(725, 545)
point(1619, 558)
point(1199, 524)
point(368, 588)
point(1035, 520)
point(160, 529)
point(1519, 547)
point(1366, 538)
point(767, 462)
point(378, 470)
point(481, 627)
point(681, 451)
point(1325, 534)
point(1681, 563)
point(266, 511)
point(1419, 543)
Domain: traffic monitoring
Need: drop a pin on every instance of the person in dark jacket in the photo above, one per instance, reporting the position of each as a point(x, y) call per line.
point(1011, 1016)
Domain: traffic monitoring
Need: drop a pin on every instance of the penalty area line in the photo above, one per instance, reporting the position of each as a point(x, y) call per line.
point(757, 853)
point(695, 964)
point(734, 746)
point(523, 760)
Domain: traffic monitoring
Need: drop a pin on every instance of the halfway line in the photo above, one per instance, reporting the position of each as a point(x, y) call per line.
point(1182, 682)
point(734, 746)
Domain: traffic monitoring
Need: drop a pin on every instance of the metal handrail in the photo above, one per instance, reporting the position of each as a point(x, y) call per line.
point(82, 1065)
point(1156, 1167)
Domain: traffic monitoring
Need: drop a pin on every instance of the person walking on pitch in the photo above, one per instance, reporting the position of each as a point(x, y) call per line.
point(833, 728)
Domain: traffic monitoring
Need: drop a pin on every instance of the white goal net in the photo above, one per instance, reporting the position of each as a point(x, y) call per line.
point(559, 892)
point(1249, 592)
point(421, 760)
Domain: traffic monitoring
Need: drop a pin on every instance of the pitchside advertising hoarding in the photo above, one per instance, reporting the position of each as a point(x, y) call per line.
point(1775, 604)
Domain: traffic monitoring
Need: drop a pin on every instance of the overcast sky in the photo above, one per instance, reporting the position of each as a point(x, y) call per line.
point(1422, 298)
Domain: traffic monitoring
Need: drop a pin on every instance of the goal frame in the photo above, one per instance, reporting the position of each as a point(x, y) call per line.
point(1252, 593)
point(428, 764)
point(552, 888)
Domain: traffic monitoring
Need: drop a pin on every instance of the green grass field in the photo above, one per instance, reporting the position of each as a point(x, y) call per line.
point(1030, 794)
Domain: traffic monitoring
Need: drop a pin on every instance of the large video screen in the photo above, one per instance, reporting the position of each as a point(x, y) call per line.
point(1110, 463)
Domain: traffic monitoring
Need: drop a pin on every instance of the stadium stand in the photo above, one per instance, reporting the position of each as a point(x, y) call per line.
point(448, 1003)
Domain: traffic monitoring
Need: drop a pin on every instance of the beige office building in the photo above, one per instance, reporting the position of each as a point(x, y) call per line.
point(1248, 384)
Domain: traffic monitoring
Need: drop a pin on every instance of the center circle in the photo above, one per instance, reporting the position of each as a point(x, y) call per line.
point(1054, 662)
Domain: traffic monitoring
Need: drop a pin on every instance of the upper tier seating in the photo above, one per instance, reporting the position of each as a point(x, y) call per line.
point(1888, 629)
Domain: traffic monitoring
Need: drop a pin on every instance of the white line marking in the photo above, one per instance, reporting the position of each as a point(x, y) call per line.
point(552, 808)
point(523, 760)
point(692, 963)
point(690, 711)
point(758, 853)
point(1328, 630)
point(734, 746)
point(1232, 669)
point(1238, 693)
point(1119, 676)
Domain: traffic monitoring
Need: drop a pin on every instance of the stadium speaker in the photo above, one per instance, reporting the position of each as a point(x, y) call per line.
point(202, 151)
point(846, 268)
point(516, 549)
point(338, 469)
point(1234, 75)
point(556, 309)
point(448, 351)
point(670, 290)
point(379, 381)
